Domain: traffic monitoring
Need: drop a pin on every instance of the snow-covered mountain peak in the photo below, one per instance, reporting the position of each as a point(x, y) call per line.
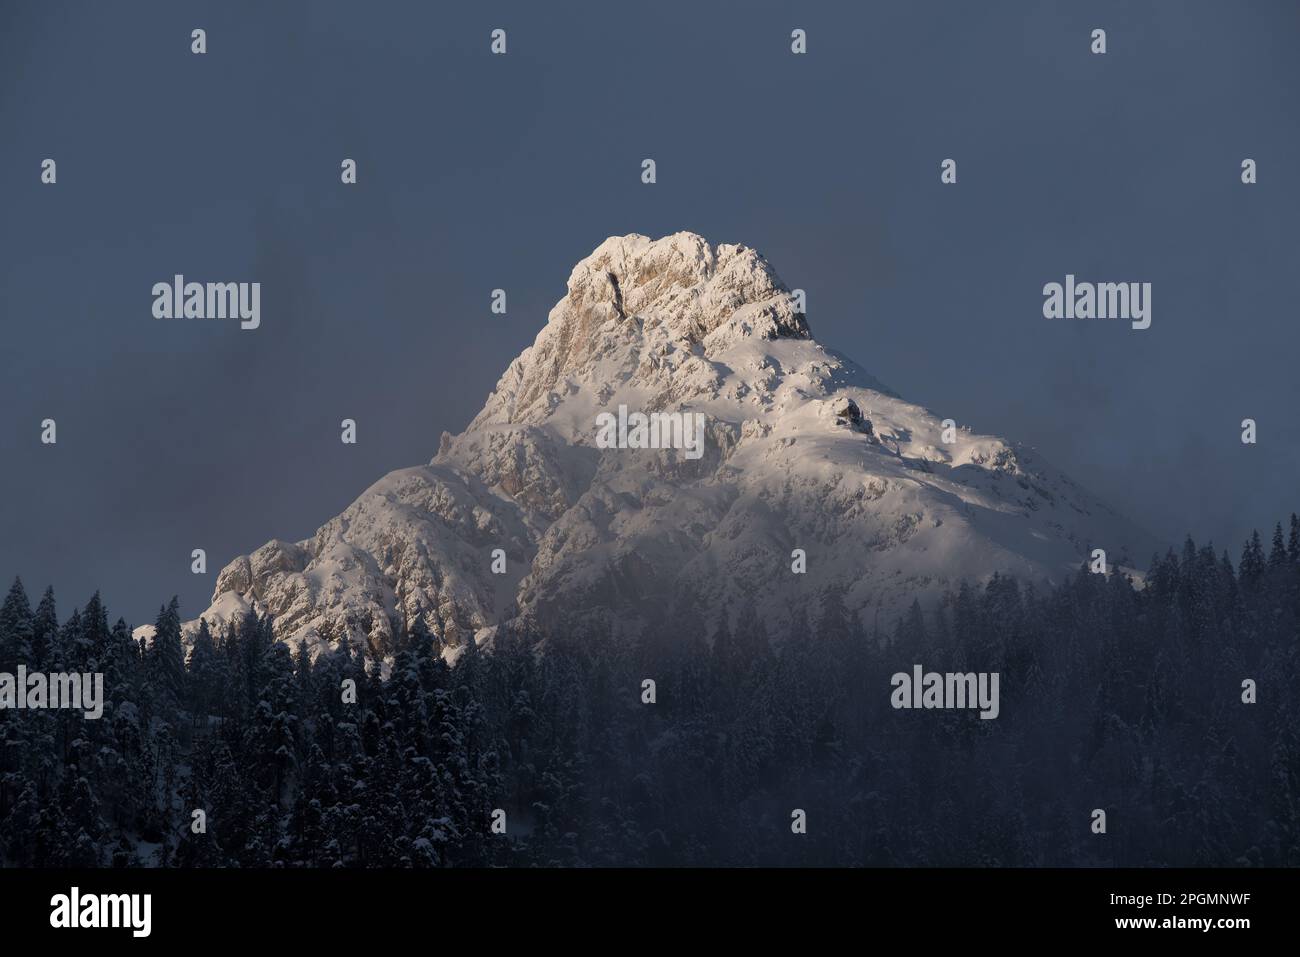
point(642, 310)
point(685, 283)
point(526, 515)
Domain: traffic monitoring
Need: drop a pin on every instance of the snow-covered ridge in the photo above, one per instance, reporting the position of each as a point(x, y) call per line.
point(804, 450)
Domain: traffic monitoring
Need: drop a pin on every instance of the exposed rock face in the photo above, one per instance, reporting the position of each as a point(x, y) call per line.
point(803, 450)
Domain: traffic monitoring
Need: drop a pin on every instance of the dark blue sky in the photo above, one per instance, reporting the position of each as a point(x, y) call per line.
point(478, 171)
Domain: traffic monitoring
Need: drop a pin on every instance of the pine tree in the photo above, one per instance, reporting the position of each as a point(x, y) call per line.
point(16, 629)
point(119, 661)
point(45, 630)
point(72, 653)
point(271, 743)
point(166, 656)
point(203, 673)
point(1251, 566)
point(94, 635)
point(1277, 554)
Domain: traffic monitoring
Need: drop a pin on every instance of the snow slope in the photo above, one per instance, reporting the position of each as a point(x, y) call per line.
point(804, 450)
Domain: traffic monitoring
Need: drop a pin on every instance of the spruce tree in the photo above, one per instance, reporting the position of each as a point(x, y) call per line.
point(1277, 554)
point(1251, 566)
point(45, 630)
point(16, 629)
point(166, 655)
point(203, 674)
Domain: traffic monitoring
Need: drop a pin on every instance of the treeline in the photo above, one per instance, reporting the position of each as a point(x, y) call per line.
point(1118, 698)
